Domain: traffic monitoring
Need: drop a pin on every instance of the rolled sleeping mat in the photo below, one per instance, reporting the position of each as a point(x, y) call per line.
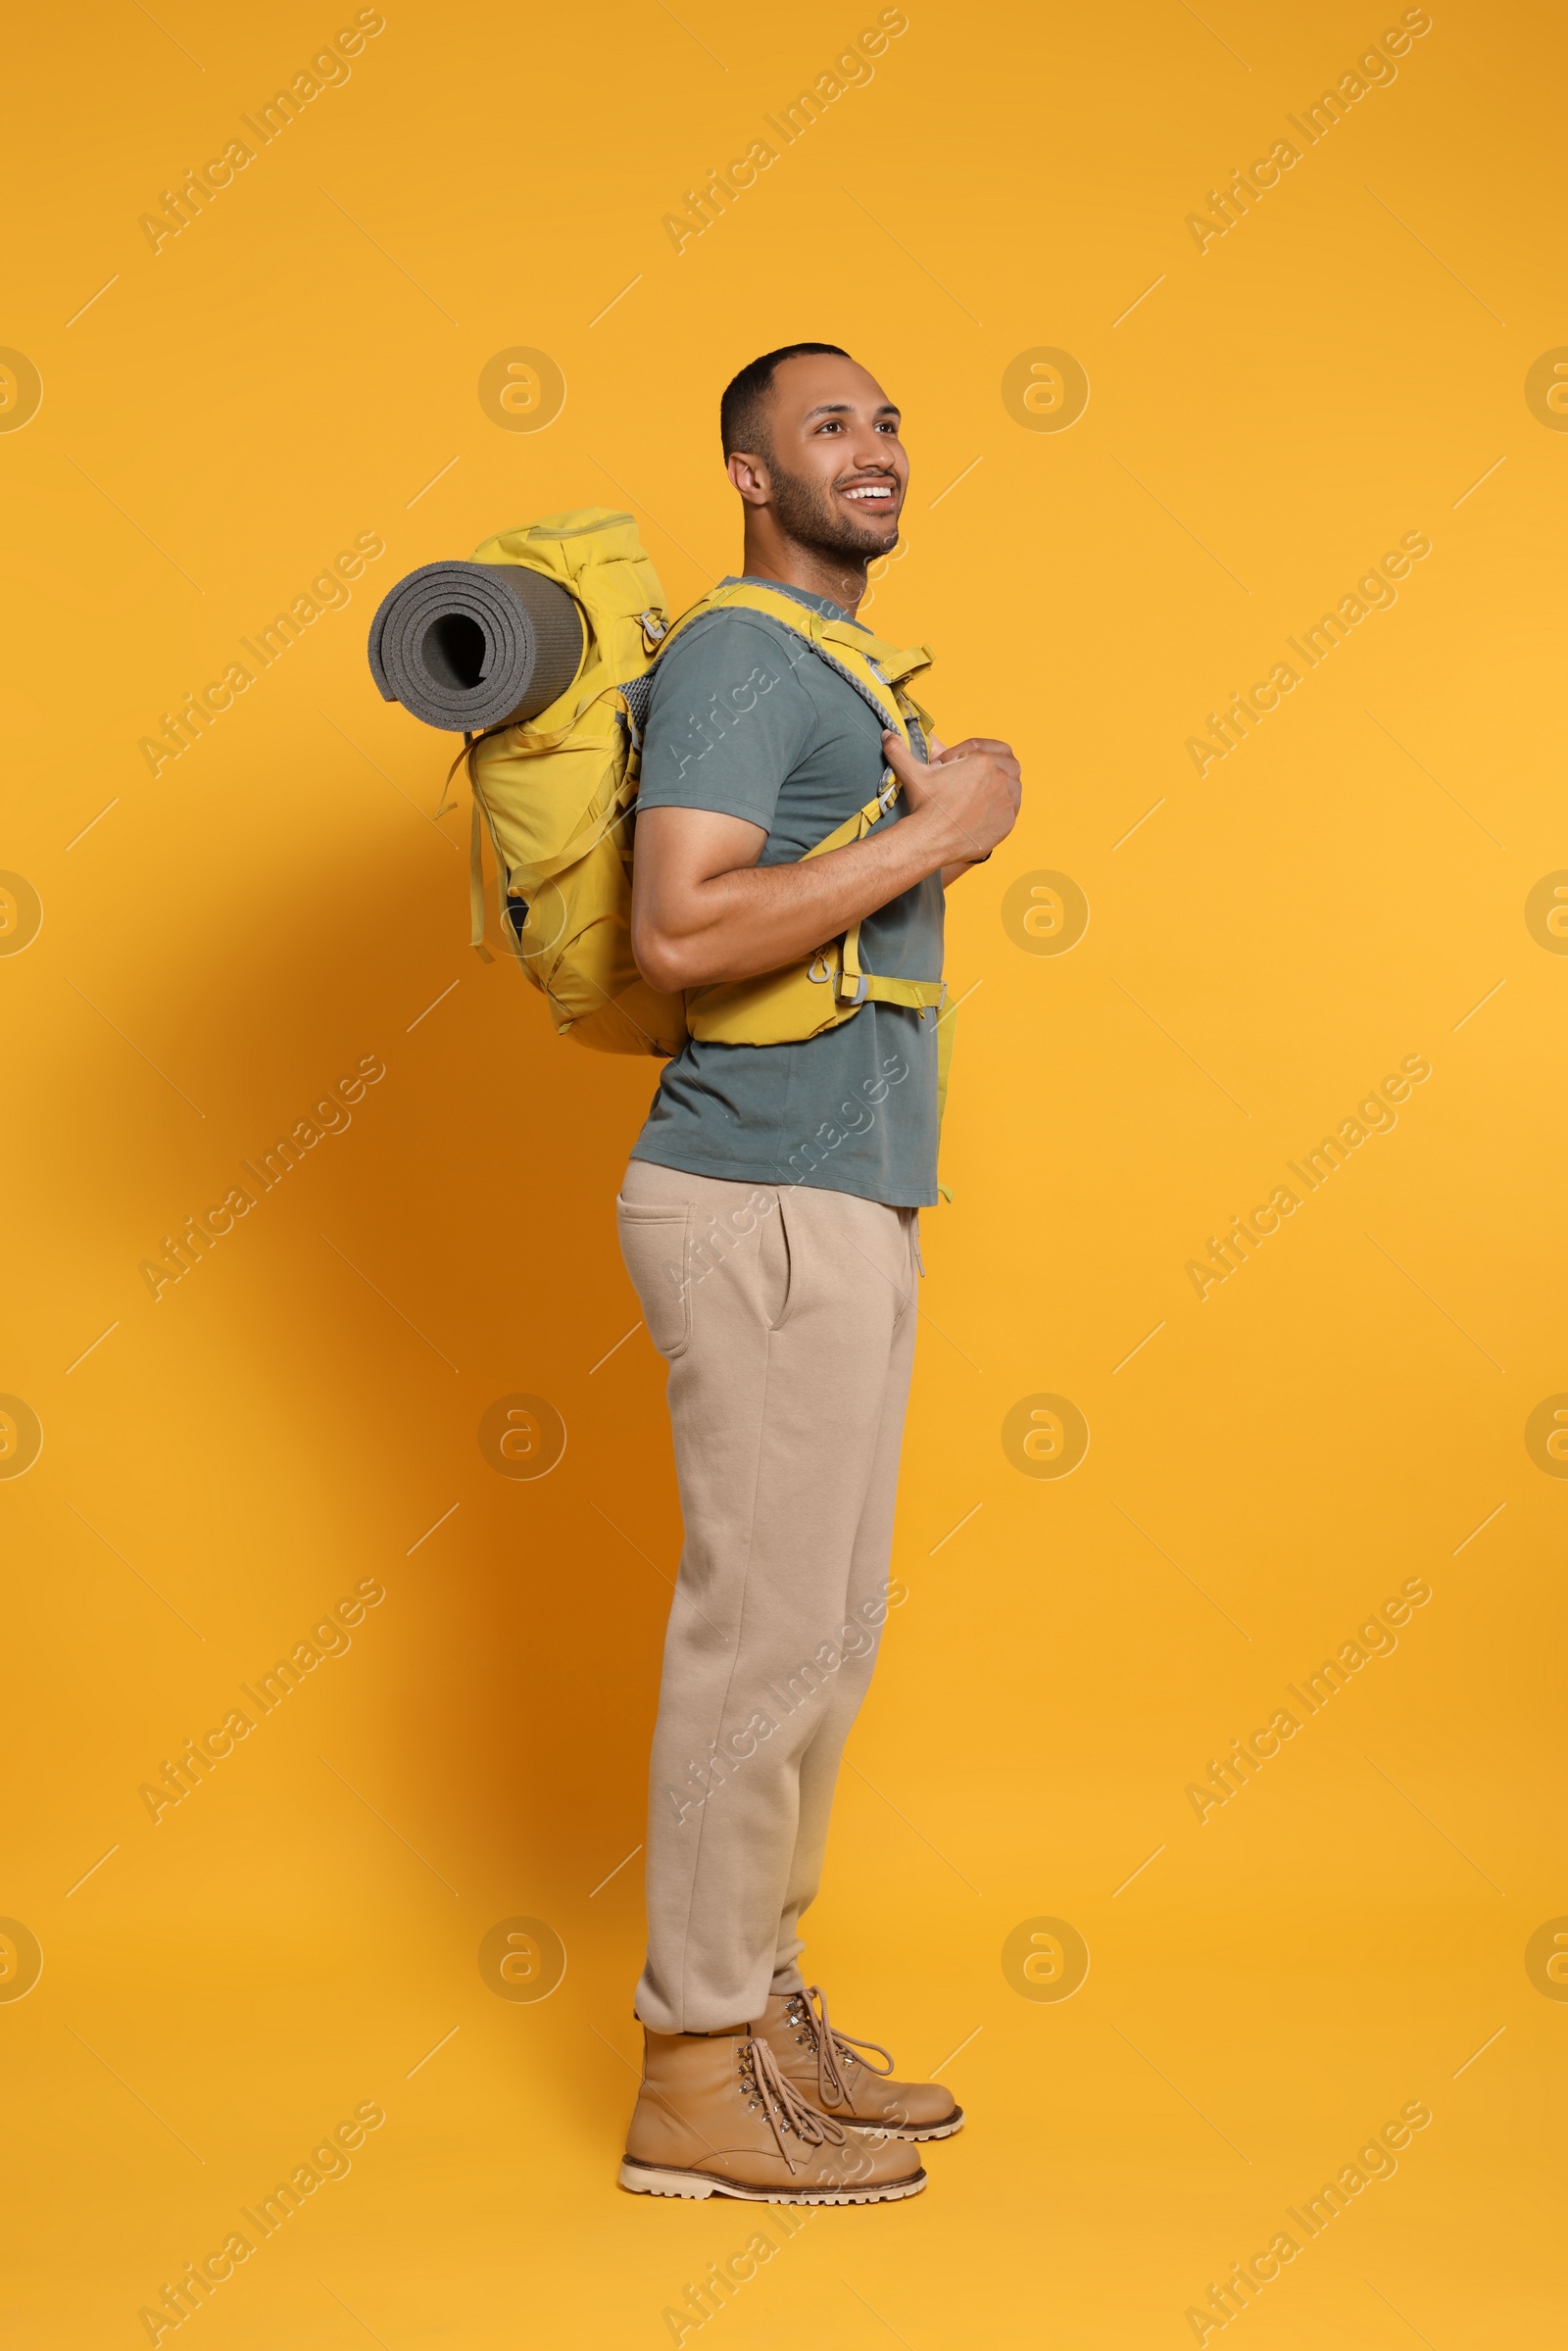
point(470, 646)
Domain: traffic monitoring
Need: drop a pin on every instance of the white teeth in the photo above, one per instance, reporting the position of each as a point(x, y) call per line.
point(869, 492)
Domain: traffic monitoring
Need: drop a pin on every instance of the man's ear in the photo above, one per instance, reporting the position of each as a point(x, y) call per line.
point(750, 476)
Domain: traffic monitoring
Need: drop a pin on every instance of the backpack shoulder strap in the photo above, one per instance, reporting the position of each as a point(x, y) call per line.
point(874, 668)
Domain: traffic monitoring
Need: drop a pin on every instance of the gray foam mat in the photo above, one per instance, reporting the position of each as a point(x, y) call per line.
point(470, 646)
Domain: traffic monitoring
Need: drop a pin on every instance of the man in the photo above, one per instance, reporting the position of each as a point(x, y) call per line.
point(770, 1220)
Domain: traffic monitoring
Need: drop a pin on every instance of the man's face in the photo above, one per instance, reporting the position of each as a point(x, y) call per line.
point(835, 467)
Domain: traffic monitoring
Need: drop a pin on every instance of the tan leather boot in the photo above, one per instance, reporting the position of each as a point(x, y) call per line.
point(716, 2118)
point(822, 2067)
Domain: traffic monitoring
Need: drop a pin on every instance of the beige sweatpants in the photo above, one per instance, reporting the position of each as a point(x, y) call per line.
point(786, 1317)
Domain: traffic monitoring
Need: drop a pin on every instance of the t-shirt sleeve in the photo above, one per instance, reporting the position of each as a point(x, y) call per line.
point(727, 720)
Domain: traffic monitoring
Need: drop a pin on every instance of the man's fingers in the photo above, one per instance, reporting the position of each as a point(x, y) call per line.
point(990, 762)
point(900, 758)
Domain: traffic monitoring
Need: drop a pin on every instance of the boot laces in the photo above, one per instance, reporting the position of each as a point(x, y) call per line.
point(835, 2051)
point(782, 2104)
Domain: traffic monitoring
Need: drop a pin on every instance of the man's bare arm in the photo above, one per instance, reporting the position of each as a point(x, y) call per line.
point(704, 910)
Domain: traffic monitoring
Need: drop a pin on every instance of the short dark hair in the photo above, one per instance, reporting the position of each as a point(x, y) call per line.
point(742, 422)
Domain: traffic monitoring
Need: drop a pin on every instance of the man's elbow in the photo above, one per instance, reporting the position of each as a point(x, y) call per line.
point(665, 963)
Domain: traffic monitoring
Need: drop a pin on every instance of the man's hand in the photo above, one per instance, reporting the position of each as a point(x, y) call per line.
point(704, 910)
point(966, 800)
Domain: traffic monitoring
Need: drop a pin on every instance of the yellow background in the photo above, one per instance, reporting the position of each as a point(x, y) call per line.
point(293, 369)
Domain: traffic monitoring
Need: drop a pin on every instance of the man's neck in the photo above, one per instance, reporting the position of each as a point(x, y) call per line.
point(841, 579)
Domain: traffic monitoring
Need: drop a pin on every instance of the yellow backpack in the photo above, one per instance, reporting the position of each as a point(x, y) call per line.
point(558, 796)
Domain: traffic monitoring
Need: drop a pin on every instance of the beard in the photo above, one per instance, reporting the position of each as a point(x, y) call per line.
point(809, 515)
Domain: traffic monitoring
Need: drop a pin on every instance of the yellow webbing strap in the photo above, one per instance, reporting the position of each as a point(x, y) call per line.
point(877, 668)
point(477, 885)
point(853, 984)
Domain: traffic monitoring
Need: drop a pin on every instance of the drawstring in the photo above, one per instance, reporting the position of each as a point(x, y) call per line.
point(835, 2052)
point(778, 2098)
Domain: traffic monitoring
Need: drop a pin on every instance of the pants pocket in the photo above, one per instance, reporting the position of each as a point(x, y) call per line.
point(655, 1241)
point(779, 1267)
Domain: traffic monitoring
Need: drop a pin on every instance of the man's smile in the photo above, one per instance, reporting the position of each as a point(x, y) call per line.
point(881, 491)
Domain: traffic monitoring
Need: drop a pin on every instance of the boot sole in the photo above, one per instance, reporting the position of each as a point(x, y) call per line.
point(651, 2180)
point(924, 2131)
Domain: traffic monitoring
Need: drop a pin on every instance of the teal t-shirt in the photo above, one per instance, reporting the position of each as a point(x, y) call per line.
point(745, 719)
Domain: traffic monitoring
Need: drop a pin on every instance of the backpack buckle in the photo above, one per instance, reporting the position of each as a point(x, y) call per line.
point(824, 975)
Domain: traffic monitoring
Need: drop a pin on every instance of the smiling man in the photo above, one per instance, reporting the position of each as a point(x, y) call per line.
point(769, 1221)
